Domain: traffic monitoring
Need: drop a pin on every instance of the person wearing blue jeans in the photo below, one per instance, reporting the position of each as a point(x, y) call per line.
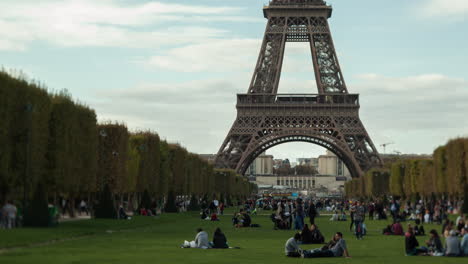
point(358, 220)
point(339, 249)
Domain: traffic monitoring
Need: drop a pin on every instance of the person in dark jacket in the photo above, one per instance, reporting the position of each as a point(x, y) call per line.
point(306, 235)
point(317, 237)
point(435, 244)
point(219, 239)
point(312, 212)
point(412, 245)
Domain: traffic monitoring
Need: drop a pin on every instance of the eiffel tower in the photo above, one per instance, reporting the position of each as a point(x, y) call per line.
point(329, 119)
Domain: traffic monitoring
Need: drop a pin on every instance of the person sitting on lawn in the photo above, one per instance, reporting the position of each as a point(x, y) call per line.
point(339, 249)
point(452, 245)
point(219, 239)
point(291, 248)
point(419, 231)
point(388, 230)
point(317, 237)
point(306, 235)
point(245, 219)
point(201, 241)
point(435, 244)
point(397, 229)
point(203, 214)
point(214, 217)
point(122, 213)
point(335, 216)
point(412, 245)
point(464, 241)
point(236, 219)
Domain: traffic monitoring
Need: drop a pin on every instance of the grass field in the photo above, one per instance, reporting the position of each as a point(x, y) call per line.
point(157, 240)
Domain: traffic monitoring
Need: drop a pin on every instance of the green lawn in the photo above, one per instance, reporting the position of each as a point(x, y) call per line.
point(157, 240)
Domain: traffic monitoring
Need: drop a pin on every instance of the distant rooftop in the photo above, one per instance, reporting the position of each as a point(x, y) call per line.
point(297, 2)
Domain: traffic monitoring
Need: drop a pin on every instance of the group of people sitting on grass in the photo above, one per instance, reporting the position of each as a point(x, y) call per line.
point(202, 240)
point(396, 229)
point(241, 219)
point(311, 235)
point(335, 248)
point(205, 215)
point(434, 247)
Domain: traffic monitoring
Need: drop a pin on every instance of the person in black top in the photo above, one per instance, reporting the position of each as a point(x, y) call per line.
point(412, 244)
point(312, 212)
point(317, 237)
point(306, 235)
point(435, 244)
point(219, 239)
point(247, 220)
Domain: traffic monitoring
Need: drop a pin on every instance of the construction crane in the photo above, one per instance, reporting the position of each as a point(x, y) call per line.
point(385, 145)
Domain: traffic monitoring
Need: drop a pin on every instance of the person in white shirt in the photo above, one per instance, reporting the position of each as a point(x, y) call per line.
point(9, 212)
point(291, 248)
point(427, 217)
point(201, 239)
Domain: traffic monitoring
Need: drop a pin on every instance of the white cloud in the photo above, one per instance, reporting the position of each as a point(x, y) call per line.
point(219, 55)
point(107, 23)
point(451, 9)
point(418, 113)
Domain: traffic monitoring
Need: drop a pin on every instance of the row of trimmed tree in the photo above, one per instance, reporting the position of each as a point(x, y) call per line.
point(48, 139)
point(445, 175)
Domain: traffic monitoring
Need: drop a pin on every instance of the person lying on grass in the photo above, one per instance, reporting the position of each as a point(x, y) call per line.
point(201, 240)
point(339, 249)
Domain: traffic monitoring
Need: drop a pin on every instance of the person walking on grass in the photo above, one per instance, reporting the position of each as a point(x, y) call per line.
point(9, 213)
point(312, 212)
point(299, 216)
point(359, 215)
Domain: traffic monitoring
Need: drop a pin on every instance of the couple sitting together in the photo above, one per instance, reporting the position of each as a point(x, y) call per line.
point(311, 235)
point(335, 248)
point(202, 241)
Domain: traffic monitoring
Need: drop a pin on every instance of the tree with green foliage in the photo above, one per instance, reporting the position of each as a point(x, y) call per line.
point(171, 203)
point(37, 212)
point(105, 207)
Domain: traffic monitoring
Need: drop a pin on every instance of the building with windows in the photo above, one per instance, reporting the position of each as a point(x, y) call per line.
point(330, 164)
point(263, 165)
point(304, 182)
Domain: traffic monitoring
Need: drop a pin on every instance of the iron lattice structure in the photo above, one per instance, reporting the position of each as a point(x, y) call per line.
point(329, 119)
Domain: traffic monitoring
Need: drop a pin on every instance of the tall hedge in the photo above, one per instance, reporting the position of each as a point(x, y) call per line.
point(52, 139)
point(72, 151)
point(112, 157)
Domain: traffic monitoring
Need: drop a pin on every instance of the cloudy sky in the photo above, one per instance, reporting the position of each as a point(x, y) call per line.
point(175, 66)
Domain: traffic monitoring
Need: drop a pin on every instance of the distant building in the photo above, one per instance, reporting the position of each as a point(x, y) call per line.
point(310, 162)
point(330, 164)
point(304, 182)
point(262, 165)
